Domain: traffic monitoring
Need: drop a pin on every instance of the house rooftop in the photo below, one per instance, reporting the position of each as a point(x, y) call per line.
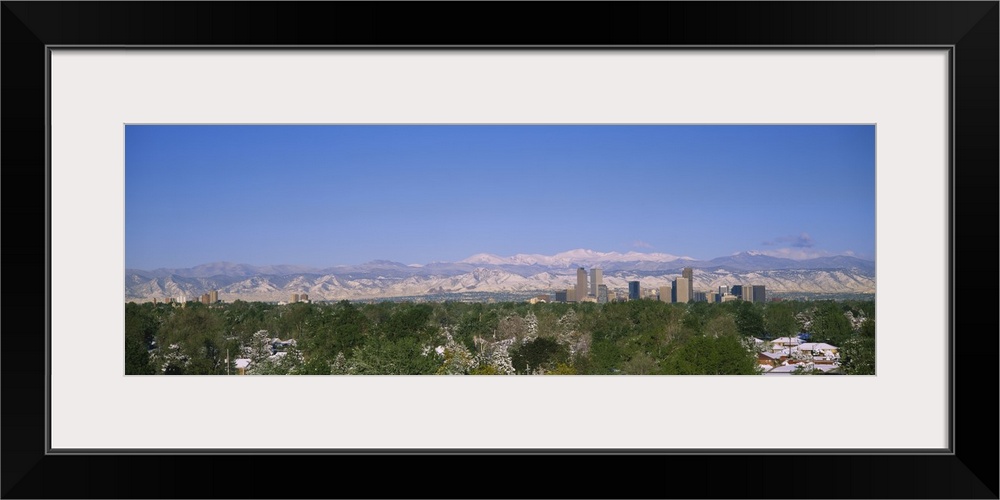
point(787, 340)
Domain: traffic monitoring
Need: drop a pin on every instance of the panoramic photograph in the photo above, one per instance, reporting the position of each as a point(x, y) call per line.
point(499, 250)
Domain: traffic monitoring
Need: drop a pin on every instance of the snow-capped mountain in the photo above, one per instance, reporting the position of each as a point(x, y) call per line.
point(491, 273)
point(578, 257)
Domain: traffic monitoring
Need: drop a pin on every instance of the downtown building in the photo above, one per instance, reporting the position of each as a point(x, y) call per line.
point(210, 297)
point(688, 274)
point(746, 293)
point(596, 278)
point(634, 292)
point(681, 291)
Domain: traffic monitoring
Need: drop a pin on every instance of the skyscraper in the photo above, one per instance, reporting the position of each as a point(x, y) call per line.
point(682, 290)
point(581, 284)
point(724, 289)
point(213, 296)
point(748, 293)
point(736, 290)
point(561, 296)
point(665, 294)
point(602, 294)
point(633, 290)
point(758, 294)
point(688, 274)
point(595, 281)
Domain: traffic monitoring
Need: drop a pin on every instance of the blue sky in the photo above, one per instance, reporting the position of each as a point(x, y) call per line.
point(348, 194)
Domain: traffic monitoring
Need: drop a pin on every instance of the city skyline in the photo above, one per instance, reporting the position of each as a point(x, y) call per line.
point(339, 195)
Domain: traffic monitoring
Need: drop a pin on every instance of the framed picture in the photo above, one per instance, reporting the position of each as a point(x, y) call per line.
point(922, 76)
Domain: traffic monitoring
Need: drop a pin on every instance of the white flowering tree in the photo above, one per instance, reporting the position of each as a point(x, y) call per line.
point(340, 366)
point(265, 361)
point(259, 349)
point(577, 342)
point(531, 327)
point(456, 359)
point(171, 360)
point(493, 356)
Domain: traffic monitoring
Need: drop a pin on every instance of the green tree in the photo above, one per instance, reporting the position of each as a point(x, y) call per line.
point(640, 364)
point(243, 318)
point(605, 357)
point(198, 332)
point(315, 366)
point(140, 330)
point(857, 356)
point(484, 370)
point(409, 320)
point(720, 326)
point(338, 330)
point(830, 325)
point(779, 320)
point(696, 316)
point(383, 356)
point(711, 356)
point(542, 353)
point(868, 327)
point(749, 320)
point(562, 369)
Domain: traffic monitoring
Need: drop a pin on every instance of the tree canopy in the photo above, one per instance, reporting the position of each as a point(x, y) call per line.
point(625, 338)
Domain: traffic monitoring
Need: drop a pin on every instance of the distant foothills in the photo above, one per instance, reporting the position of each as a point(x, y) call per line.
point(517, 277)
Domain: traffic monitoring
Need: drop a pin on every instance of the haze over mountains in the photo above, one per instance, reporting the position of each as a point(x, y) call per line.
point(491, 273)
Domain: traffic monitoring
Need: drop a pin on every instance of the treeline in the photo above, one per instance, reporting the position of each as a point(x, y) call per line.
point(638, 337)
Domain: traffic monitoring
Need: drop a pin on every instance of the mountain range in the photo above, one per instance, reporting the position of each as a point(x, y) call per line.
point(521, 273)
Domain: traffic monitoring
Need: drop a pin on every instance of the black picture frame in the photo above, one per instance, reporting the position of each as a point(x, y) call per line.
point(969, 28)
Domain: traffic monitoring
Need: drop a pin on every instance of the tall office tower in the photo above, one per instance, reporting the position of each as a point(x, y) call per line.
point(204, 298)
point(758, 294)
point(213, 296)
point(748, 293)
point(736, 290)
point(724, 289)
point(633, 290)
point(665, 294)
point(595, 280)
point(682, 290)
point(303, 297)
point(561, 296)
point(699, 297)
point(688, 274)
point(294, 298)
point(581, 284)
point(602, 294)
point(571, 295)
